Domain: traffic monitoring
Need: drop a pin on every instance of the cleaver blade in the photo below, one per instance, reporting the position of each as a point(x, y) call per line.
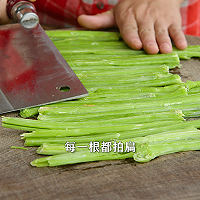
point(32, 70)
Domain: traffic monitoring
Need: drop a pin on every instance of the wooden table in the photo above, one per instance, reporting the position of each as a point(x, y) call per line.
point(174, 176)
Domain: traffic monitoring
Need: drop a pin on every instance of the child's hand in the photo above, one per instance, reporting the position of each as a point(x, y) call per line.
point(147, 24)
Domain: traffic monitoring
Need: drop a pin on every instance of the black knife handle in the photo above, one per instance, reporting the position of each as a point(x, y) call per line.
point(22, 11)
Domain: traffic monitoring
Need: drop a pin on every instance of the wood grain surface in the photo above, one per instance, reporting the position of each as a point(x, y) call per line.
point(175, 176)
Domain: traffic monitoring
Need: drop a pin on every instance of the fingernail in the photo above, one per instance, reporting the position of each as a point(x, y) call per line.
point(137, 43)
point(181, 44)
point(151, 44)
point(165, 46)
point(151, 48)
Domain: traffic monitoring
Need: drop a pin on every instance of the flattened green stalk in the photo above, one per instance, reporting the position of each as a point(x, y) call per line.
point(131, 130)
point(29, 112)
point(120, 78)
point(137, 92)
point(191, 84)
point(53, 148)
point(149, 151)
point(128, 74)
point(148, 135)
point(136, 69)
point(107, 50)
point(100, 71)
point(92, 45)
point(56, 36)
point(188, 110)
point(193, 112)
point(112, 99)
point(189, 52)
point(171, 60)
point(78, 157)
point(62, 140)
point(105, 129)
point(169, 80)
point(116, 115)
point(173, 135)
point(166, 104)
point(36, 124)
point(56, 114)
point(132, 89)
point(144, 153)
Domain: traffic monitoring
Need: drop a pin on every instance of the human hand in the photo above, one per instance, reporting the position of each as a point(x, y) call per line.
point(147, 24)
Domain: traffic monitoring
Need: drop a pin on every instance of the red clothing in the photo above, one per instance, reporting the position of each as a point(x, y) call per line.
point(64, 13)
point(190, 12)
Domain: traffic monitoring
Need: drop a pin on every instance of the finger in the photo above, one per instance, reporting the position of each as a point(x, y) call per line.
point(177, 36)
point(162, 38)
point(99, 21)
point(129, 32)
point(147, 36)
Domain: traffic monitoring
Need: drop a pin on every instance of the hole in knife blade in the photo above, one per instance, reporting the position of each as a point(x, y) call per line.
point(64, 89)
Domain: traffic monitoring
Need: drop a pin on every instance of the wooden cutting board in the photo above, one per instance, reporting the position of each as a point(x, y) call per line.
point(174, 176)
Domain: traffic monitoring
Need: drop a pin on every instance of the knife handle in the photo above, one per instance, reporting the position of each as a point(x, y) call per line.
point(23, 12)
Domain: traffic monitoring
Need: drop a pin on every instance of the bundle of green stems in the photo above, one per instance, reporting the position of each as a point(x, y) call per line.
point(133, 99)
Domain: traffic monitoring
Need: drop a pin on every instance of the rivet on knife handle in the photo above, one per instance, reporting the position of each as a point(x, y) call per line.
point(23, 12)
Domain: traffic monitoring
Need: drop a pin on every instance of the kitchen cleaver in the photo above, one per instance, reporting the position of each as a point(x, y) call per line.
point(32, 70)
